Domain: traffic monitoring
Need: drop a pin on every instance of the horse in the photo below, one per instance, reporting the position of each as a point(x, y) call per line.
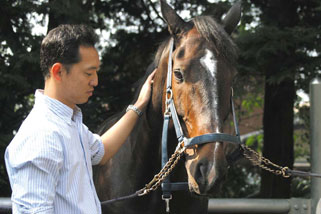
point(203, 66)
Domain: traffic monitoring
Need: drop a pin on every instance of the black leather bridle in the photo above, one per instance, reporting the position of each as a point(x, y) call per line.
point(171, 113)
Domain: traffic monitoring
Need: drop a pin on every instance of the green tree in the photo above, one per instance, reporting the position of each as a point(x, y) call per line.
point(285, 49)
point(18, 70)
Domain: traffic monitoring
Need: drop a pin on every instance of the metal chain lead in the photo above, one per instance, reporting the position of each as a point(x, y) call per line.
point(257, 159)
point(265, 163)
point(164, 172)
point(173, 160)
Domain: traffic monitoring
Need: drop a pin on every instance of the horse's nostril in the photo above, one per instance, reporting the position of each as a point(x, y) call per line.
point(201, 172)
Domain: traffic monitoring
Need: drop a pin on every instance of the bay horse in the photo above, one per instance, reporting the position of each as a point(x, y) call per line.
point(203, 63)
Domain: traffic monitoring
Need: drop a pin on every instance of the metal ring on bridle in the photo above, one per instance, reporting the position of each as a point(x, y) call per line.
point(170, 93)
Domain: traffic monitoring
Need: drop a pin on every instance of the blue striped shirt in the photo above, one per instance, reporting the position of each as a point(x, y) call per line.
point(49, 161)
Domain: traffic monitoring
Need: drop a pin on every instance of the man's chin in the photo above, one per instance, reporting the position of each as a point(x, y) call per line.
point(83, 101)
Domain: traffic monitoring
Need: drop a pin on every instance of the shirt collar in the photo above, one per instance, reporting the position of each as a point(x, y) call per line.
point(61, 110)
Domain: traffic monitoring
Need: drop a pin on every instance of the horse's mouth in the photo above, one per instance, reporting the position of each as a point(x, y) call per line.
point(214, 191)
point(205, 189)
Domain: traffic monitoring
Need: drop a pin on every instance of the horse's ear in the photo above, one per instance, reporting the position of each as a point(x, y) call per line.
point(232, 17)
point(175, 23)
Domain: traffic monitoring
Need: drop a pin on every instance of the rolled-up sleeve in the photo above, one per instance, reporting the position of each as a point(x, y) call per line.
point(97, 149)
point(33, 166)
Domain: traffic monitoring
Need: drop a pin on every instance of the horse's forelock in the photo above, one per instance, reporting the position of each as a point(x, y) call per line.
point(215, 33)
point(211, 31)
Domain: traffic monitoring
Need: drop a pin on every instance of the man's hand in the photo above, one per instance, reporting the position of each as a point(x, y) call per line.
point(145, 92)
point(114, 137)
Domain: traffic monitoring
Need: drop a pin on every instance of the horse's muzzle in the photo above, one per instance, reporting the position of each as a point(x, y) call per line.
point(207, 169)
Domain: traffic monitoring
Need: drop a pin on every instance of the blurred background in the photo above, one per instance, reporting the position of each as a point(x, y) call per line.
point(279, 54)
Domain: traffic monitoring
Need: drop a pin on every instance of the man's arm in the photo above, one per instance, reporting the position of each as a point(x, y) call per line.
point(114, 137)
point(33, 167)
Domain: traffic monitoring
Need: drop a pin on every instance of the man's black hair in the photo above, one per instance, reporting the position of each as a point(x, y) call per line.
point(62, 45)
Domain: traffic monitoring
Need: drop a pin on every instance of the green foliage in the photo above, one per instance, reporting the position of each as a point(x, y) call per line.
point(255, 142)
point(282, 50)
point(299, 44)
point(251, 102)
point(301, 187)
point(242, 181)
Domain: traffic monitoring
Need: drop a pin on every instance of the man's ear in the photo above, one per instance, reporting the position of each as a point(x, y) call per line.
point(56, 71)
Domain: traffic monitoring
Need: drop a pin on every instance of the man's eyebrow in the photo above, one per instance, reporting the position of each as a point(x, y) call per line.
point(94, 68)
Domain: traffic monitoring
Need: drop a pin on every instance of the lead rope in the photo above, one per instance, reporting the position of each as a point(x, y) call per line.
point(158, 178)
point(165, 171)
point(264, 163)
point(256, 158)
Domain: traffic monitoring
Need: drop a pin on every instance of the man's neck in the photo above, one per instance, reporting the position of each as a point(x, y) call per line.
point(52, 91)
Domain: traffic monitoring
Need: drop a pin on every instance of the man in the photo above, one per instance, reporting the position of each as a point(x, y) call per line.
point(49, 161)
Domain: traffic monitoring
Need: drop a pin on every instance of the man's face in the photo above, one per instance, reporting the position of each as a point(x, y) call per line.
point(78, 85)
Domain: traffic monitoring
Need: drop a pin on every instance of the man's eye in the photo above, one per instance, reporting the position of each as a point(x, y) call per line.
point(88, 74)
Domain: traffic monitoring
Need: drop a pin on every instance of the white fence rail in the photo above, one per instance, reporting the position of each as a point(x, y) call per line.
point(315, 139)
point(5, 205)
point(258, 206)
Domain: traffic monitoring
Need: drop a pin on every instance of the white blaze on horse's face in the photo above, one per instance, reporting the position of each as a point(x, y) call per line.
point(209, 62)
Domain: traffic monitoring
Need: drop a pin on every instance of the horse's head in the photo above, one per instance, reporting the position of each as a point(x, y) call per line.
point(202, 76)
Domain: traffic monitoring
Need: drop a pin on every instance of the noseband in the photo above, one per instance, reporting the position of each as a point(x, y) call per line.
point(170, 112)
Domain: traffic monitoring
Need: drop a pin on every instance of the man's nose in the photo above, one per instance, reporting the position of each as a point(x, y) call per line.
point(94, 80)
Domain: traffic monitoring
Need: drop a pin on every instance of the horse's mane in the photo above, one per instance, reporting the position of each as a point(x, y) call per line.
point(115, 117)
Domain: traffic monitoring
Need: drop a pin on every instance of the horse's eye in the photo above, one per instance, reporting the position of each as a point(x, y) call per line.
point(178, 75)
